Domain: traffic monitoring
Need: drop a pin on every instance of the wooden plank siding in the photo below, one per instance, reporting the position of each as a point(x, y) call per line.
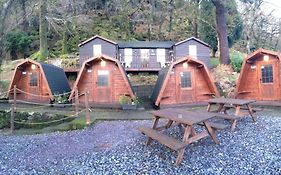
point(87, 81)
point(250, 85)
point(86, 50)
point(203, 52)
point(170, 92)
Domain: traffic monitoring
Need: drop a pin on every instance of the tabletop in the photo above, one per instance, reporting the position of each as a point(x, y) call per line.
point(231, 101)
point(182, 116)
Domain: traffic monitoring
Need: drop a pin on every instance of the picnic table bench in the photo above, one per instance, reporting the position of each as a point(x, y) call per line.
point(224, 104)
point(181, 118)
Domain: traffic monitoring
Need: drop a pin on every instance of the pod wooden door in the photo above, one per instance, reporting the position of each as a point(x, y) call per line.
point(185, 85)
point(103, 86)
point(269, 79)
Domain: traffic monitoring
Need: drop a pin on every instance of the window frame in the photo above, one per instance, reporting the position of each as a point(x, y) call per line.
point(188, 80)
point(100, 81)
point(267, 76)
point(95, 48)
point(33, 81)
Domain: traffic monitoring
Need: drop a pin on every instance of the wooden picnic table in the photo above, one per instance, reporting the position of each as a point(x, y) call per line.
point(187, 119)
point(225, 104)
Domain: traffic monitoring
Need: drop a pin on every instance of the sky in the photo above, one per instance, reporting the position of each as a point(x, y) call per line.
point(275, 5)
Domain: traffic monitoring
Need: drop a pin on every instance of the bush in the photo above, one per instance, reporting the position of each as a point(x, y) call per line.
point(236, 61)
point(4, 119)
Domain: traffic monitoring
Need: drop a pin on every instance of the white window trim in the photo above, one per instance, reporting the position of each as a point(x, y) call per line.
point(161, 56)
point(192, 50)
point(97, 50)
point(128, 56)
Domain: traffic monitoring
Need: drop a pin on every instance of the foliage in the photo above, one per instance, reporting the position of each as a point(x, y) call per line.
point(125, 99)
point(214, 62)
point(61, 98)
point(17, 42)
point(70, 63)
point(236, 60)
point(4, 119)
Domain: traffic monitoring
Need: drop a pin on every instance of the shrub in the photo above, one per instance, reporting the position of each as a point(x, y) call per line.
point(236, 60)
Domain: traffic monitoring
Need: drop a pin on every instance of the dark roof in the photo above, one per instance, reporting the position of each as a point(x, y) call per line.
point(56, 79)
point(159, 83)
point(192, 38)
point(146, 44)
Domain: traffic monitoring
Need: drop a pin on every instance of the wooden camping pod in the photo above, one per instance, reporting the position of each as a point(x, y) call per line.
point(38, 82)
point(185, 81)
point(260, 76)
point(105, 80)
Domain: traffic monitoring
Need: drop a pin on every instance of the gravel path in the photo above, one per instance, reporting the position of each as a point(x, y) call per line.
point(116, 147)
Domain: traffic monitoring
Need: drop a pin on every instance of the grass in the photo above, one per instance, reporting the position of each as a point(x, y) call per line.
point(214, 62)
point(79, 122)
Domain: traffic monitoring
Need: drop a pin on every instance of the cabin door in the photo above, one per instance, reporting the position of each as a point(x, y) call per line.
point(33, 86)
point(184, 83)
point(268, 77)
point(103, 86)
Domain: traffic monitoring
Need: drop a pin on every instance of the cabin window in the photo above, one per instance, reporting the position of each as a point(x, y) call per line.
point(97, 50)
point(193, 51)
point(103, 78)
point(267, 74)
point(185, 79)
point(161, 57)
point(33, 79)
point(144, 54)
point(128, 55)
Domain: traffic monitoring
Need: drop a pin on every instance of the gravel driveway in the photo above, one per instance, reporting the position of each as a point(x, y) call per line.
point(116, 147)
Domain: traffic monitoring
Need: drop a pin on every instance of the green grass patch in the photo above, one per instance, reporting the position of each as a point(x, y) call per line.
point(214, 62)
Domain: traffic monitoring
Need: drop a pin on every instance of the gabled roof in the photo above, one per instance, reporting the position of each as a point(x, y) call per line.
point(54, 77)
point(162, 80)
point(252, 56)
point(103, 57)
point(263, 51)
point(192, 38)
point(94, 37)
point(146, 44)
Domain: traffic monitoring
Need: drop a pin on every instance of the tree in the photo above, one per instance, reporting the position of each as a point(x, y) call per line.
point(43, 29)
point(222, 31)
point(17, 42)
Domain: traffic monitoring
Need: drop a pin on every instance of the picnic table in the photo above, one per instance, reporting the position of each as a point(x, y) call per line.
point(183, 119)
point(238, 105)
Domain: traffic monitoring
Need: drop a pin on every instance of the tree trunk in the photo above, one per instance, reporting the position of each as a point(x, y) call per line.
point(3, 14)
point(43, 30)
point(222, 31)
point(24, 21)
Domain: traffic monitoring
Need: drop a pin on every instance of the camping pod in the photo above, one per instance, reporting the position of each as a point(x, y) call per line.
point(104, 80)
point(186, 80)
point(38, 82)
point(260, 76)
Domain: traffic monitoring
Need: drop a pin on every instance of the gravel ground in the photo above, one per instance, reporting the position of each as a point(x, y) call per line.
point(116, 147)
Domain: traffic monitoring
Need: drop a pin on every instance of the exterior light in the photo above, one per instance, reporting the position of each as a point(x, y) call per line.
point(33, 67)
point(266, 58)
point(103, 63)
point(185, 65)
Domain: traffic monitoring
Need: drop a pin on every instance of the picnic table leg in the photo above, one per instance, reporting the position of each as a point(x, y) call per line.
point(251, 112)
point(168, 125)
point(211, 132)
point(193, 132)
point(185, 139)
point(180, 156)
point(209, 107)
point(156, 120)
point(220, 107)
point(234, 122)
point(233, 125)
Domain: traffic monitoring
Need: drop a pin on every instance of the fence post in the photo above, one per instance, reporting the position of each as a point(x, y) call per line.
point(76, 101)
point(87, 108)
point(13, 109)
